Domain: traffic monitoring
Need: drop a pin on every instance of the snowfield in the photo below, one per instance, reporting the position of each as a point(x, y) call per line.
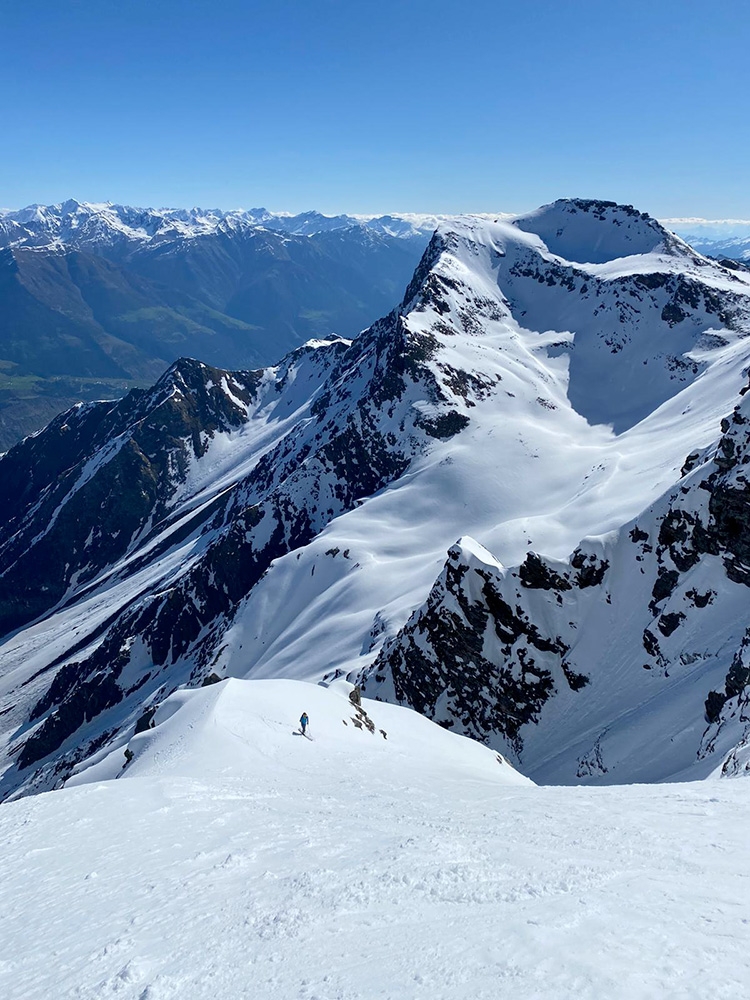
point(234, 859)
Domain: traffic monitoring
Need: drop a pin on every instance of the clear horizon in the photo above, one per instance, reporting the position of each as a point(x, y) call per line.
point(422, 107)
point(738, 226)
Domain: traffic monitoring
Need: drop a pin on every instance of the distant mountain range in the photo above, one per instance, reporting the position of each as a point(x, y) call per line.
point(727, 238)
point(732, 248)
point(95, 299)
point(565, 394)
point(94, 225)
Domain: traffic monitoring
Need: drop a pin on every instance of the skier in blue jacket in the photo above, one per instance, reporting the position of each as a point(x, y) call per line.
point(304, 722)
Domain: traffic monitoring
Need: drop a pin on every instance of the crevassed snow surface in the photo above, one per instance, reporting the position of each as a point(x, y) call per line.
point(234, 859)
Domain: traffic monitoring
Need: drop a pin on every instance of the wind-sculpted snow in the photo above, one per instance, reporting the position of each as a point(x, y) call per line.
point(288, 521)
point(629, 659)
point(595, 232)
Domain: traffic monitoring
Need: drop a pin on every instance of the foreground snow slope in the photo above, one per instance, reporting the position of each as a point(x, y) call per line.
point(234, 859)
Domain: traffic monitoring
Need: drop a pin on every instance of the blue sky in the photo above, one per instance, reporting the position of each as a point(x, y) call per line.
point(373, 105)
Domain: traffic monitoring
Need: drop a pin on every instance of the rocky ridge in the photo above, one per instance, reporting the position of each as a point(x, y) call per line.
point(653, 613)
point(103, 484)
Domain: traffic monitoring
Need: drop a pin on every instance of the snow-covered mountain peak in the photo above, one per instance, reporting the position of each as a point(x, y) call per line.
point(626, 335)
point(595, 232)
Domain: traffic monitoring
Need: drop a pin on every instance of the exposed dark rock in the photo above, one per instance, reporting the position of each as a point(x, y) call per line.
point(590, 568)
point(668, 623)
point(576, 681)
point(736, 683)
point(700, 600)
point(672, 314)
point(536, 574)
point(666, 581)
point(638, 535)
point(714, 704)
point(146, 721)
point(92, 696)
point(447, 425)
point(690, 462)
point(439, 659)
point(651, 644)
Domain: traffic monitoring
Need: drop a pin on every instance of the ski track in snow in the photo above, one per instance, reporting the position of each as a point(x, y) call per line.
point(240, 861)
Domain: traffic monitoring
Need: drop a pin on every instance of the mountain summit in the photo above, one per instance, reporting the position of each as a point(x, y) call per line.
point(596, 232)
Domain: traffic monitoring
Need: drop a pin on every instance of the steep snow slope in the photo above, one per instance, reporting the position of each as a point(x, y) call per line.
point(522, 398)
point(527, 470)
point(234, 859)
